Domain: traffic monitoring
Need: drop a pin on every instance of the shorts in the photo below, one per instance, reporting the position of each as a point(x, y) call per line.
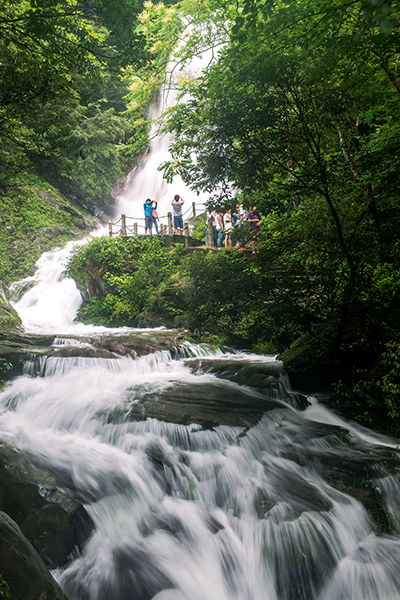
point(148, 222)
point(178, 222)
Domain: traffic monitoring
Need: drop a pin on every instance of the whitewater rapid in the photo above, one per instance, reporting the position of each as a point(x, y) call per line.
point(183, 512)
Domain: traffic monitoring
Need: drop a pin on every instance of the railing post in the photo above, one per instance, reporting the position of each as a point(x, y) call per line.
point(123, 225)
point(110, 230)
point(135, 231)
point(170, 229)
point(163, 229)
point(194, 209)
point(210, 234)
point(186, 233)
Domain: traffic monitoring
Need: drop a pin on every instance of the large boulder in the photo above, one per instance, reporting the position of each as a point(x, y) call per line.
point(208, 404)
point(21, 568)
point(265, 376)
point(49, 517)
point(258, 374)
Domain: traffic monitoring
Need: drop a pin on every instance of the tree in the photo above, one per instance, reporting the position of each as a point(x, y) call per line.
point(61, 91)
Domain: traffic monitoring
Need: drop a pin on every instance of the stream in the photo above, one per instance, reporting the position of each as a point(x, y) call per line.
point(204, 475)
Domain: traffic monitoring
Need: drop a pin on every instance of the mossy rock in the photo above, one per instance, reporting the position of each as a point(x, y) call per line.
point(35, 217)
point(9, 319)
point(307, 362)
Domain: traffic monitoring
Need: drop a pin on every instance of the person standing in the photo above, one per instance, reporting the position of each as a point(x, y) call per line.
point(219, 228)
point(154, 215)
point(254, 218)
point(227, 219)
point(148, 216)
point(240, 233)
point(235, 227)
point(176, 204)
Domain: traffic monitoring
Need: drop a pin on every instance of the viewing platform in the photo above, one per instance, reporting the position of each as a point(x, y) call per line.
point(135, 226)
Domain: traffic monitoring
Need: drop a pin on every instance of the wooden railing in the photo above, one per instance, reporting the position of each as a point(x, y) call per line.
point(131, 226)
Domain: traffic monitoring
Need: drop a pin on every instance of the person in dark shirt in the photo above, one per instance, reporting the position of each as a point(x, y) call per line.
point(235, 227)
point(254, 218)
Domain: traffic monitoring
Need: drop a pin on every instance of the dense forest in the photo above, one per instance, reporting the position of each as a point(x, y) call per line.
point(296, 111)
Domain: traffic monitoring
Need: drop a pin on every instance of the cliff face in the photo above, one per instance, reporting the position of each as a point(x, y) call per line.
point(35, 217)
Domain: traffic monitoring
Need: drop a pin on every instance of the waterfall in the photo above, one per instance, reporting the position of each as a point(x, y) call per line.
point(145, 180)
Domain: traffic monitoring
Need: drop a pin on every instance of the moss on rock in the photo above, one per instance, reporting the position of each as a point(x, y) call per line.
point(35, 217)
point(9, 319)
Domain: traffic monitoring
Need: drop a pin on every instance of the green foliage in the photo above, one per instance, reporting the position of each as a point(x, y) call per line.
point(130, 280)
point(5, 593)
point(143, 282)
point(389, 381)
point(5, 367)
point(199, 229)
point(8, 317)
point(222, 284)
point(62, 93)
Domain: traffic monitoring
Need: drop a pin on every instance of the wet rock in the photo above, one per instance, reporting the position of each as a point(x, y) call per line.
point(117, 347)
point(207, 404)
point(135, 576)
point(21, 566)
point(48, 516)
point(265, 377)
point(294, 489)
point(346, 463)
point(255, 374)
point(81, 351)
point(16, 348)
point(213, 524)
point(138, 344)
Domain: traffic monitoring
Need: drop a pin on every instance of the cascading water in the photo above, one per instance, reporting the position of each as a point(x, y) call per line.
point(183, 511)
point(202, 476)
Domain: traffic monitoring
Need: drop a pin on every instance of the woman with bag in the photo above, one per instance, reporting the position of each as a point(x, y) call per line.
point(154, 215)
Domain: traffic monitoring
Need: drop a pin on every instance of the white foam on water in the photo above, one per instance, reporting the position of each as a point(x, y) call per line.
point(184, 512)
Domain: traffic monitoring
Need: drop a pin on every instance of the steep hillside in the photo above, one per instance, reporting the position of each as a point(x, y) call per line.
point(35, 217)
